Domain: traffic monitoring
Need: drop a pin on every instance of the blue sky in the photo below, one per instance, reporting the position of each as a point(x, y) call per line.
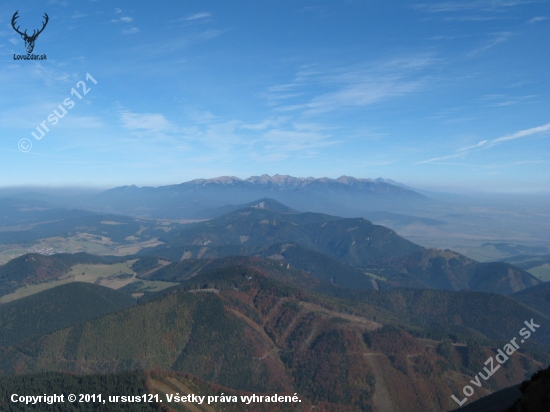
point(450, 95)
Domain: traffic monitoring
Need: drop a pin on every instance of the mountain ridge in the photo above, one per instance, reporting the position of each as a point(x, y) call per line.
point(346, 195)
point(355, 242)
point(285, 181)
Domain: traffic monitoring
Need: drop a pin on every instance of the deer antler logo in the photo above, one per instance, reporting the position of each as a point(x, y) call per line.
point(29, 40)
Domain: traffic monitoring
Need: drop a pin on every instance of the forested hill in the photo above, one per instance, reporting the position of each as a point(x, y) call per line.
point(57, 308)
point(313, 241)
point(237, 327)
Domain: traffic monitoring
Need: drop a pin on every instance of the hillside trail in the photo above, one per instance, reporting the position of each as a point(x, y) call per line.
point(381, 399)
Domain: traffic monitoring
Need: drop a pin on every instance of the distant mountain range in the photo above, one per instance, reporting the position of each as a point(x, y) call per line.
point(202, 198)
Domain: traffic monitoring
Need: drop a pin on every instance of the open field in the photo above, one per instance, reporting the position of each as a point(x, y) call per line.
point(93, 273)
point(113, 276)
point(83, 242)
point(131, 249)
point(50, 246)
point(542, 272)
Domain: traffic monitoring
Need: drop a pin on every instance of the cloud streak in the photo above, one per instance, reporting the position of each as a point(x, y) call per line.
point(521, 133)
point(363, 93)
point(436, 159)
point(537, 19)
point(146, 122)
point(349, 88)
point(486, 144)
point(133, 30)
point(197, 16)
point(496, 40)
point(482, 143)
point(272, 138)
point(477, 5)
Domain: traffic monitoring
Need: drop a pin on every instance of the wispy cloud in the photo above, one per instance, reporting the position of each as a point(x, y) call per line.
point(496, 39)
point(472, 11)
point(197, 16)
point(437, 159)
point(167, 45)
point(520, 134)
point(501, 100)
point(363, 93)
point(149, 122)
point(271, 139)
point(296, 137)
point(486, 144)
point(470, 18)
point(133, 30)
point(348, 88)
point(537, 19)
point(125, 19)
point(476, 5)
point(482, 143)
